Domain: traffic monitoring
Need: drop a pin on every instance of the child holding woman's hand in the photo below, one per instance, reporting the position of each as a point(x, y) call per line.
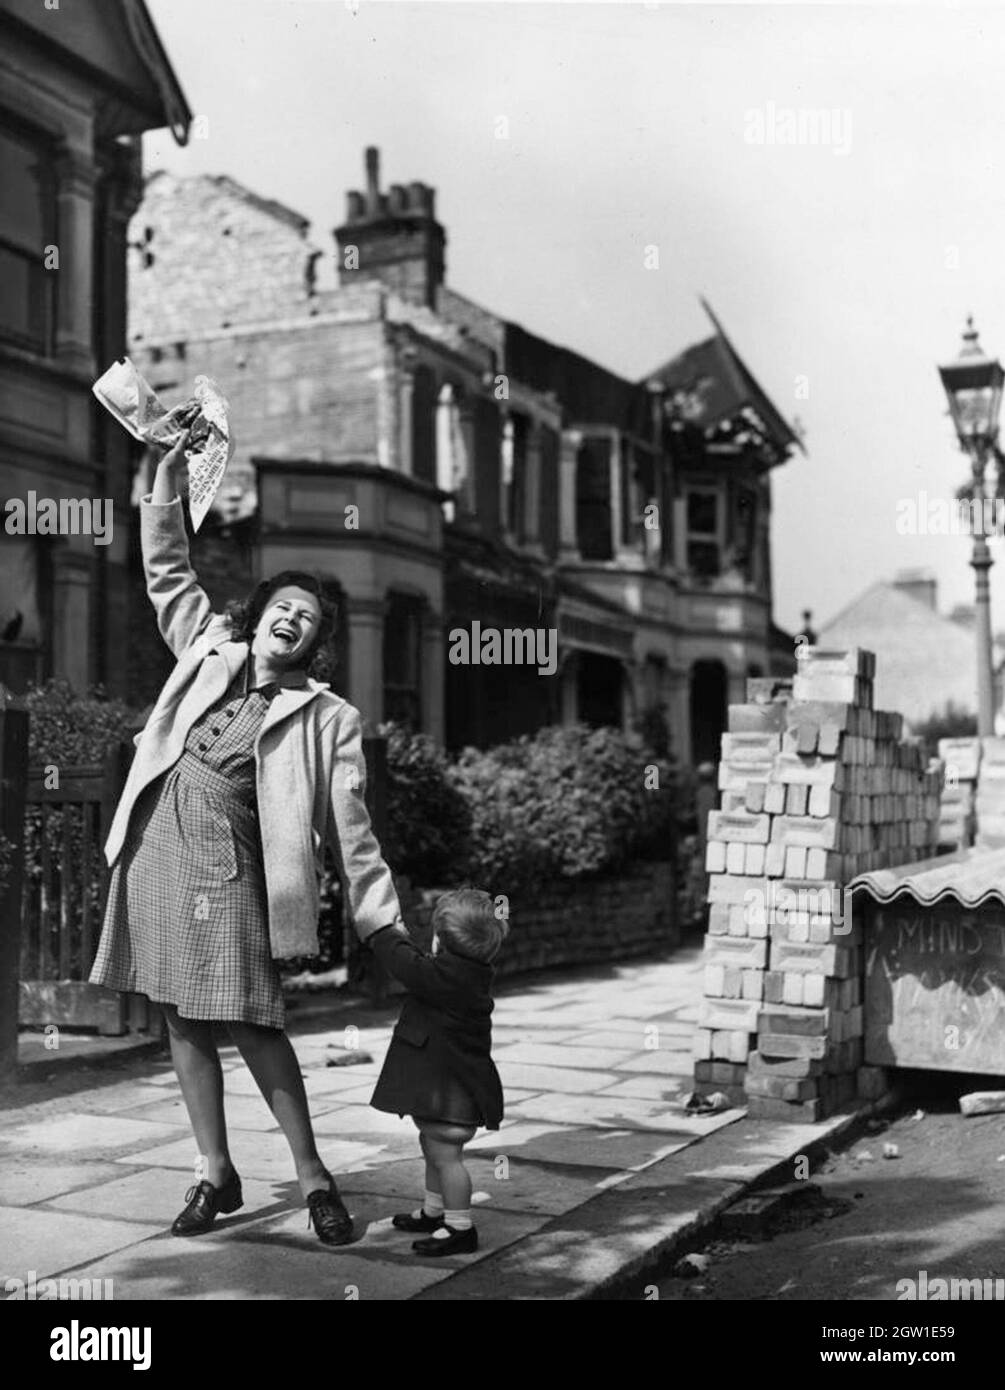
point(439, 1066)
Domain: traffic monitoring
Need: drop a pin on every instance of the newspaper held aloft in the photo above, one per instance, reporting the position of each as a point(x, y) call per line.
point(132, 400)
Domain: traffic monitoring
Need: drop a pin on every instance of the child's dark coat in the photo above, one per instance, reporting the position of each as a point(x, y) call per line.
point(444, 1033)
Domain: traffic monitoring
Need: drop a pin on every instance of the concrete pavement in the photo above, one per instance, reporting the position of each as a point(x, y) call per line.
point(596, 1168)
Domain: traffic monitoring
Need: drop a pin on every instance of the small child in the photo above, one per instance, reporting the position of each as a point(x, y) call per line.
point(439, 1066)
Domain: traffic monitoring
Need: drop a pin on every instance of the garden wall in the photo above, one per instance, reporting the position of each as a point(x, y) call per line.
point(608, 919)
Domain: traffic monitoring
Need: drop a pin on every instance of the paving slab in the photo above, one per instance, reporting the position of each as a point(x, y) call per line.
point(82, 1135)
point(620, 1112)
point(363, 1119)
point(609, 1029)
point(530, 1077)
point(538, 1141)
point(528, 1004)
point(652, 1086)
point(242, 1083)
point(661, 1062)
point(755, 1147)
point(504, 1032)
point(577, 1017)
point(534, 1024)
point(632, 1037)
point(322, 1082)
point(150, 1196)
point(242, 1112)
point(265, 1156)
point(26, 1180)
point(646, 1011)
point(565, 1056)
point(125, 1095)
point(50, 1241)
point(513, 1186)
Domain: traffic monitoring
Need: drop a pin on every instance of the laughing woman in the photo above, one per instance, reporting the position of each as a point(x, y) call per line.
point(245, 769)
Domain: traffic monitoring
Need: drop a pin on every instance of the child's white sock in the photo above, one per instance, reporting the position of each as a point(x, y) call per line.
point(432, 1205)
point(456, 1220)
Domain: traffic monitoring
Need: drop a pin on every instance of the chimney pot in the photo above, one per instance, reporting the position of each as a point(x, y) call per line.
point(373, 178)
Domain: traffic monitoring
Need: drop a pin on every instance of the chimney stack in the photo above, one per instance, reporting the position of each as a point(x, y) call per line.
point(397, 236)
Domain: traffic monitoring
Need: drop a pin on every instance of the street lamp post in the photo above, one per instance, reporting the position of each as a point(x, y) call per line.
point(973, 386)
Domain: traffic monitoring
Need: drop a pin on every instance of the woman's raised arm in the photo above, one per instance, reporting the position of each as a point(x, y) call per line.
point(182, 605)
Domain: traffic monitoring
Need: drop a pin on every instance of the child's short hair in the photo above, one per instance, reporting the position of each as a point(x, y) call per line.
point(464, 919)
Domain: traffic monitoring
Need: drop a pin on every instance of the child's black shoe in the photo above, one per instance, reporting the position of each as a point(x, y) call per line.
point(408, 1221)
point(456, 1243)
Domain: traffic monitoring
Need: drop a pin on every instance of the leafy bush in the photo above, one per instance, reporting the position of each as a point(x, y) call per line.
point(66, 728)
point(428, 818)
point(565, 803)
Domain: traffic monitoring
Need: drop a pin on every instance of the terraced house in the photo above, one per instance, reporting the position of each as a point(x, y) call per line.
point(445, 468)
point(78, 86)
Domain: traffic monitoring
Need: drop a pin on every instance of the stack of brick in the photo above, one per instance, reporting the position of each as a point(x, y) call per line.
point(961, 760)
point(816, 787)
point(990, 798)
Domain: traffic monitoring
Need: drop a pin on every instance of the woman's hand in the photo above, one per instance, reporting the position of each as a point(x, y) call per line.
point(165, 488)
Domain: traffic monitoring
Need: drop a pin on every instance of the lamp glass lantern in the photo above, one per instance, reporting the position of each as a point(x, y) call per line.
point(973, 387)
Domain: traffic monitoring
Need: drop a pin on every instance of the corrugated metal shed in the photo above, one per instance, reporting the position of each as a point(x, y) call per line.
point(971, 877)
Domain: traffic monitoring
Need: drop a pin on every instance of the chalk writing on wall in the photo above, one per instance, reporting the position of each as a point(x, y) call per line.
point(935, 987)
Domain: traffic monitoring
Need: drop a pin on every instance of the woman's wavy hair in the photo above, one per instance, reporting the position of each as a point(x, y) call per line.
point(320, 659)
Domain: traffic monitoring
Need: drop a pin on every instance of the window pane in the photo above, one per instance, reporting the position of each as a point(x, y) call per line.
point(21, 219)
point(24, 294)
point(401, 644)
point(20, 613)
point(703, 558)
point(703, 513)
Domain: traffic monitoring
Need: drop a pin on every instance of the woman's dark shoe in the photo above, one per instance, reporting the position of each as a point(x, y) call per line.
point(456, 1243)
point(424, 1223)
point(327, 1214)
point(204, 1201)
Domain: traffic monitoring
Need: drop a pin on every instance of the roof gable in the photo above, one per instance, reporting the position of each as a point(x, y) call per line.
point(116, 45)
point(714, 385)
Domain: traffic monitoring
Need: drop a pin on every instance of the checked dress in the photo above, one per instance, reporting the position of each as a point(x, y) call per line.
point(186, 921)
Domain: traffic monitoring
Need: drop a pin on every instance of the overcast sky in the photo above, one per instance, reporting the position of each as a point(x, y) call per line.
point(844, 269)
